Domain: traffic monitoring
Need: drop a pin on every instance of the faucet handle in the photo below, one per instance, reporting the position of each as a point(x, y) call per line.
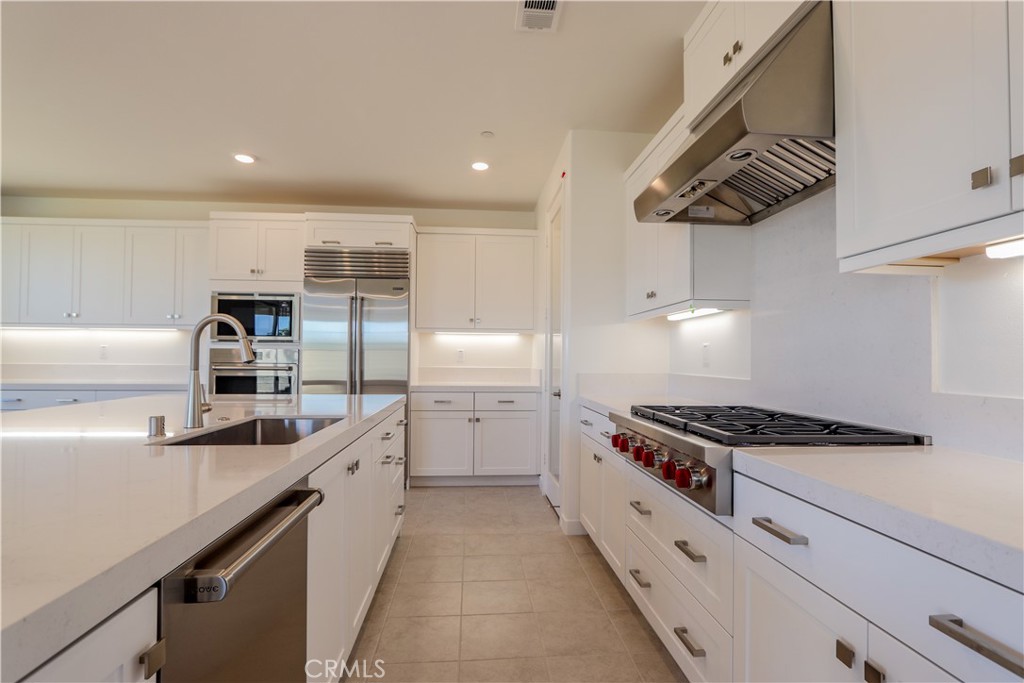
point(204, 405)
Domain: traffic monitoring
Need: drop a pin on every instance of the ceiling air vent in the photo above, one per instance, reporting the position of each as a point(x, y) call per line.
point(537, 15)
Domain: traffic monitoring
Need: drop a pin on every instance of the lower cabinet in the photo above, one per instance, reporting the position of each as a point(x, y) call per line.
point(351, 535)
point(474, 433)
point(110, 652)
point(603, 493)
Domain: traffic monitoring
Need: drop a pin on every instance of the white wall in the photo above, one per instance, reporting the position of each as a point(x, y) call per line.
point(860, 347)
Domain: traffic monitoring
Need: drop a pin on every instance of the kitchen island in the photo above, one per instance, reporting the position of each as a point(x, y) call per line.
point(93, 514)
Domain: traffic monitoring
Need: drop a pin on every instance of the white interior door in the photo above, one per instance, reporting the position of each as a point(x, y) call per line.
point(552, 483)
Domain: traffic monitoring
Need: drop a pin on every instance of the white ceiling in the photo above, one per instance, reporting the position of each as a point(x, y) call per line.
point(348, 103)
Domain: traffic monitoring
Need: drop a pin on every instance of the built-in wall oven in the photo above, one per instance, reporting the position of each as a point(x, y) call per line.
point(274, 372)
point(265, 317)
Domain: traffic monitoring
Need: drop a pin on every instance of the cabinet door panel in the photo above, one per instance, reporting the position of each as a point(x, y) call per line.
point(151, 273)
point(757, 22)
point(505, 442)
point(643, 264)
point(358, 545)
point(786, 629)
point(705, 70)
point(10, 309)
point(504, 283)
point(445, 272)
point(326, 596)
point(441, 443)
point(898, 662)
point(1016, 37)
point(234, 250)
point(193, 267)
point(100, 276)
point(675, 259)
point(614, 492)
point(590, 489)
point(281, 250)
point(49, 274)
point(910, 175)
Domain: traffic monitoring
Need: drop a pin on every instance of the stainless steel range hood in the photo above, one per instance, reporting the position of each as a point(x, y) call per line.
point(768, 145)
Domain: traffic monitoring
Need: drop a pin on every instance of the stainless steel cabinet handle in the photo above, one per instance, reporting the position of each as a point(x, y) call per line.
point(606, 435)
point(437, 400)
point(726, 59)
point(67, 315)
point(477, 321)
point(401, 423)
point(471, 320)
point(508, 401)
point(387, 460)
point(779, 532)
point(684, 546)
point(981, 178)
point(872, 674)
point(338, 242)
point(76, 315)
point(586, 423)
point(693, 649)
point(1017, 165)
point(953, 626)
point(11, 400)
point(400, 511)
point(383, 244)
point(387, 436)
point(213, 585)
point(476, 419)
point(557, 393)
point(67, 400)
point(170, 316)
point(400, 460)
point(638, 506)
point(845, 653)
point(252, 271)
point(737, 47)
point(635, 573)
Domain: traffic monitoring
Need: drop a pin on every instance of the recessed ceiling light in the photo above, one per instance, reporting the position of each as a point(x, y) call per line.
point(480, 166)
point(245, 159)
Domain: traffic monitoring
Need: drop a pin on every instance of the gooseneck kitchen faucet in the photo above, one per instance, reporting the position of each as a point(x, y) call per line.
point(195, 406)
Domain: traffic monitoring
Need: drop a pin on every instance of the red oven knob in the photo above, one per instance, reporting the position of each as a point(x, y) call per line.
point(684, 478)
point(648, 457)
point(638, 452)
point(615, 440)
point(668, 469)
point(624, 444)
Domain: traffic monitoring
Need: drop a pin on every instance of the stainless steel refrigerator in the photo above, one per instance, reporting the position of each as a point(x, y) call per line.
point(355, 321)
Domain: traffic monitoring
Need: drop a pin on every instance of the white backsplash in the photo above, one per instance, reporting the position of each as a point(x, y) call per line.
point(475, 375)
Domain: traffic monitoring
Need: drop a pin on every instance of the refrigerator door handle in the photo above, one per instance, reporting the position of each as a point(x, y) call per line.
point(360, 356)
point(352, 346)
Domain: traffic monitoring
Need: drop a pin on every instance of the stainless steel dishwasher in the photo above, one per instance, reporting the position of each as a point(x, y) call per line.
point(237, 610)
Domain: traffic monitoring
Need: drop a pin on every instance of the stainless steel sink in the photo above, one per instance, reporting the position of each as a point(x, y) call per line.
point(259, 431)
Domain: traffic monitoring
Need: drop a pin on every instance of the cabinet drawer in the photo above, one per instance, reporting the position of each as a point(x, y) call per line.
point(895, 586)
point(595, 425)
point(694, 547)
point(670, 608)
point(506, 401)
point(27, 400)
point(359, 235)
point(454, 400)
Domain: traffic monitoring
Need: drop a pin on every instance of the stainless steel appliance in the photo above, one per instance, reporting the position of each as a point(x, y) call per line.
point(355, 321)
point(237, 610)
point(265, 317)
point(275, 371)
point(689, 448)
point(767, 145)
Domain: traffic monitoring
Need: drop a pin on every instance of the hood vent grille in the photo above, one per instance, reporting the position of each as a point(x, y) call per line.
point(538, 15)
point(338, 262)
point(782, 170)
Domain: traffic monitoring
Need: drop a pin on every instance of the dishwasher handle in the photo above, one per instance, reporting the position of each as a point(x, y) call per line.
point(213, 585)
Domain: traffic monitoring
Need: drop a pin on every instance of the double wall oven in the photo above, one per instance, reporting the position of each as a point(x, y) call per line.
point(271, 321)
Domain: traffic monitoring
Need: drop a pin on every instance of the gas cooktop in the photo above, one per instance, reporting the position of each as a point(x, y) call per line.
point(752, 426)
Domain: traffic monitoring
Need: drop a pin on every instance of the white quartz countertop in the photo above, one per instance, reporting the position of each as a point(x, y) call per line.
point(606, 403)
point(965, 508)
point(92, 515)
point(475, 386)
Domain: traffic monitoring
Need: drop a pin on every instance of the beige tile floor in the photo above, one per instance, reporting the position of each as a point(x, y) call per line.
point(483, 586)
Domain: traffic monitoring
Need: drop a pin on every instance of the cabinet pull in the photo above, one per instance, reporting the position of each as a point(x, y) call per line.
point(597, 458)
point(476, 419)
point(400, 511)
point(737, 47)
point(981, 178)
point(844, 653)
point(338, 242)
point(388, 459)
point(11, 400)
point(437, 400)
point(606, 435)
point(153, 659)
point(252, 271)
point(872, 674)
point(684, 546)
point(387, 436)
point(400, 460)
point(635, 573)
point(402, 423)
point(1017, 165)
point(778, 531)
point(67, 400)
point(383, 244)
point(638, 506)
point(953, 626)
point(507, 401)
point(693, 649)
point(726, 59)
point(586, 423)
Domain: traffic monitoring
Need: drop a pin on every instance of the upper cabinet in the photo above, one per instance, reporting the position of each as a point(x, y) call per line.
point(724, 39)
point(360, 231)
point(257, 246)
point(927, 123)
point(10, 245)
point(475, 282)
point(167, 279)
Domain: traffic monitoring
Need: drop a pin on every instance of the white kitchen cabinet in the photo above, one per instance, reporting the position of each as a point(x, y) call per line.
point(257, 248)
point(10, 287)
point(166, 276)
point(603, 491)
point(358, 542)
point(475, 282)
point(788, 630)
point(724, 38)
point(109, 652)
point(73, 274)
point(360, 231)
point(676, 266)
point(590, 489)
point(452, 438)
point(897, 662)
point(907, 177)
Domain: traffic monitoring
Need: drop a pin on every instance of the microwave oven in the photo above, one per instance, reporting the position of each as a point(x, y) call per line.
point(265, 317)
